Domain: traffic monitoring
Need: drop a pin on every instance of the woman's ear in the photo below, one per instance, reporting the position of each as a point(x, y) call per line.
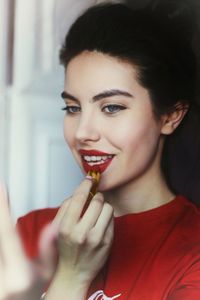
point(171, 121)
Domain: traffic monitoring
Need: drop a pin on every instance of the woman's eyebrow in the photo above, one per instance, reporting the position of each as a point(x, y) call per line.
point(66, 95)
point(111, 93)
point(105, 94)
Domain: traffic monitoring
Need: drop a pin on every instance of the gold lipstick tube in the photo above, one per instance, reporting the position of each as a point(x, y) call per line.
point(96, 178)
point(95, 181)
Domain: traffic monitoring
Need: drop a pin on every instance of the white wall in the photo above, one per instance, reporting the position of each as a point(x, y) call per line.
point(35, 161)
point(40, 169)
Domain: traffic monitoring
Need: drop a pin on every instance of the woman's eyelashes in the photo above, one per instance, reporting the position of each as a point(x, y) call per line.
point(112, 108)
point(108, 109)
point(72, 109)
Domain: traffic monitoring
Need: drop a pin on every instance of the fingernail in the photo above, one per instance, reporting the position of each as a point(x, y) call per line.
point(89, 177)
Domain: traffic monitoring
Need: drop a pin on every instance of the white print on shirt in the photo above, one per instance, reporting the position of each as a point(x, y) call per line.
point(99, 295)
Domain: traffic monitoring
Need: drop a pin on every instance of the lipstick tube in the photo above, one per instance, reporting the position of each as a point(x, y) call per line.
point(95, 178)
point(95, 182)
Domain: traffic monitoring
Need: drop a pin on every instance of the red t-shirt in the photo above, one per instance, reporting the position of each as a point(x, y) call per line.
point(155, 254)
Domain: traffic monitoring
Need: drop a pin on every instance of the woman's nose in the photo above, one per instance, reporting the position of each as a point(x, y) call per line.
point(87, 130)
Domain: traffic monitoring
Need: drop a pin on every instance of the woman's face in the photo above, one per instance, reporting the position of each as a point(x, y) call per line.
point(109, 123)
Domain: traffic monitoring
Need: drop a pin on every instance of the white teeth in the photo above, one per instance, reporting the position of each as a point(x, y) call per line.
point(95, 163)
point(96, 159)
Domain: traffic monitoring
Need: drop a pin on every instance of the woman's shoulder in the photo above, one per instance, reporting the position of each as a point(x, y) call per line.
point(190, 207)
point(39, 216)
point(30, 225)
point(188, 222)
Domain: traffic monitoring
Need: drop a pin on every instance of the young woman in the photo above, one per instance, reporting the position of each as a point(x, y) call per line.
point(129, 85)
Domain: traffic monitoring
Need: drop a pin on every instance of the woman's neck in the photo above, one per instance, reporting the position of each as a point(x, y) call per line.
point(140, 195)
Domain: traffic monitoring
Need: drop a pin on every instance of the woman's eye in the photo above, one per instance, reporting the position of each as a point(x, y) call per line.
point(113, 108)
point(71, 109)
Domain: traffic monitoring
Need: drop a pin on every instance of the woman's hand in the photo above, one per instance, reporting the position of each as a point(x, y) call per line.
point(84, 242)
point(19, 278)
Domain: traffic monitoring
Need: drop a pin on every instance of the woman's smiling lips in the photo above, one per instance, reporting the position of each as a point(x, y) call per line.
point(95, 160)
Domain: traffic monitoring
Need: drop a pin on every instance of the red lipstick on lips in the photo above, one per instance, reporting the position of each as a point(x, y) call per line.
point(96, 167)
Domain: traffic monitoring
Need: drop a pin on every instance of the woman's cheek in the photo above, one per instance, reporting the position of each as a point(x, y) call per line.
point(69, 130)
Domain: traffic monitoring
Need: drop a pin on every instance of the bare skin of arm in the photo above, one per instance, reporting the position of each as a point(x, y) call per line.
point(83, 243)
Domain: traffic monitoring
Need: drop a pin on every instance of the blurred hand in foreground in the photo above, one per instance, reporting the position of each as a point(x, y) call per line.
point(21, 279)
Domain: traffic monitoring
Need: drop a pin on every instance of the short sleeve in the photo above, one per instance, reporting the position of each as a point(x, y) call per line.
point(188, 288)
point(30, 227)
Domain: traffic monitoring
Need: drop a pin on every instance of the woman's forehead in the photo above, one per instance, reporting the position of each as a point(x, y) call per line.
point(100, 70)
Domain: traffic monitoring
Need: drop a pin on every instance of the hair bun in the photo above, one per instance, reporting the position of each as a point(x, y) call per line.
point(183, 17)
point(182, 14)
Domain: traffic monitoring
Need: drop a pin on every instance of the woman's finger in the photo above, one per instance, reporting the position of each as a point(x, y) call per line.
point(10, 243)
point(61, 212)
point(92, 214)
point(84, 187)
point(7, 233)
point(46, 263)
point(18, 278)
point(80, 191)
point(76, 205)
point(5, 220)
point(104, 225)
point(2, 283)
